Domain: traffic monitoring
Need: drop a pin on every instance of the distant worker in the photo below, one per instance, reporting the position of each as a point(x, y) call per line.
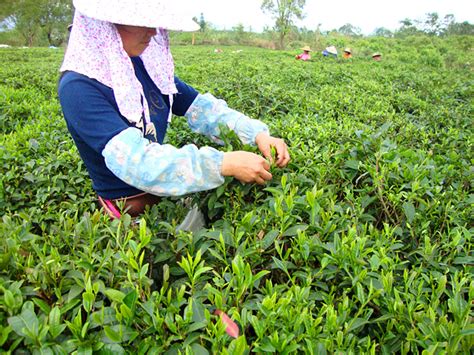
point(377, 56)
point(330, 51)
point(305, 55)
point(347, 53)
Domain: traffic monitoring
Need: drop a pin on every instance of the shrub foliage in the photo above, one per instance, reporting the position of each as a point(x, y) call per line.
point(362, 244)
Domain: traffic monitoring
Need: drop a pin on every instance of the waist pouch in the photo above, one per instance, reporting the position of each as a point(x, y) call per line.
point(133, 205)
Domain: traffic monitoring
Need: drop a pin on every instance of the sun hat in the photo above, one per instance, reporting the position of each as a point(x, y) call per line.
point(332, 50)
point(144, 13)
point(376, 54)
point(306, 48)
point(347, 50)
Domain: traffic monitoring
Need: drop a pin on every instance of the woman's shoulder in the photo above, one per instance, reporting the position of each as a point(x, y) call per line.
point(76, 83)
point(73, 78)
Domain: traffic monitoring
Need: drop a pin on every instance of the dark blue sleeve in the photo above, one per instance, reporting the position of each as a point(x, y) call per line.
point(184, 98)
point(90, 110)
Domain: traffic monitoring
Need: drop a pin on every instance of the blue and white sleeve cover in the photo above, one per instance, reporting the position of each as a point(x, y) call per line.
point(164, 170)
point(207, 112)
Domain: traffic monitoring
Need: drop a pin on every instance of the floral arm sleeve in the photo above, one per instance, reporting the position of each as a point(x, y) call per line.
point(162, 170)
point(207, 112)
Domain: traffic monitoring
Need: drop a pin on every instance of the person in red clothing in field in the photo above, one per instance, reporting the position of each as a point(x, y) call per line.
point(305, 55)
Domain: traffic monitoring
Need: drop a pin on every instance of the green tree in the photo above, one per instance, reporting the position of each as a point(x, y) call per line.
point(55, 15)
point(349, 30)
point(284, 12)
point(240, 33)
point(203, 25)
point(408, 27)
point(25, 14)
point(451, 27)
point(31, 18)
point(383, 32)
point(460, 28)
point(6, 9)
point(432, 24)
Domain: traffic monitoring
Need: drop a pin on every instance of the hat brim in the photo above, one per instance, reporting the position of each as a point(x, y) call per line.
point(152, 14)
point(332, 50)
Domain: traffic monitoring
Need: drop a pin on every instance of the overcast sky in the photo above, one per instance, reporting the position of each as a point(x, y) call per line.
point(331, 14)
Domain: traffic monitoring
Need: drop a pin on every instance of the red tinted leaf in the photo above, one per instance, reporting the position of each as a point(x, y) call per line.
point(231, 327)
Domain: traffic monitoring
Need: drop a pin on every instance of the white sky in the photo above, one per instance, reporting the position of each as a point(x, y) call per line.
point(332, 14)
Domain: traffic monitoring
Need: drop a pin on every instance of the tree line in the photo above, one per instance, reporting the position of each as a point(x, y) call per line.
point(33, 22)
point(32, 19)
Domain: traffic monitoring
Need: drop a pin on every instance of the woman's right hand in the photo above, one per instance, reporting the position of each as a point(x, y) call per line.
point(246, 167)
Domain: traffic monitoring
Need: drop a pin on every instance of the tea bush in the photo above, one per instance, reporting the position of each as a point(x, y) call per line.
point(363, 244)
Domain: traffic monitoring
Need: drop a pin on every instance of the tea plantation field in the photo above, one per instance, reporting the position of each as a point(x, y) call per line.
point(363, 244)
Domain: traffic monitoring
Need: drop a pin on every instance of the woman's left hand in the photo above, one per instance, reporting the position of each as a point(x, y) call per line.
point(265, 143)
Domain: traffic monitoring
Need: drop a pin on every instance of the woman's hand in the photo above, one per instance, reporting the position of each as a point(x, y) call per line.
point(265, 143)
point(246, 167)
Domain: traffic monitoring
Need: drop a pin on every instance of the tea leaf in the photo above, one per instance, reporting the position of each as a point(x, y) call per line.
point(267, 241)
point(409, 210)
point(115, 295)
point(292, 231)
point(199, 349)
